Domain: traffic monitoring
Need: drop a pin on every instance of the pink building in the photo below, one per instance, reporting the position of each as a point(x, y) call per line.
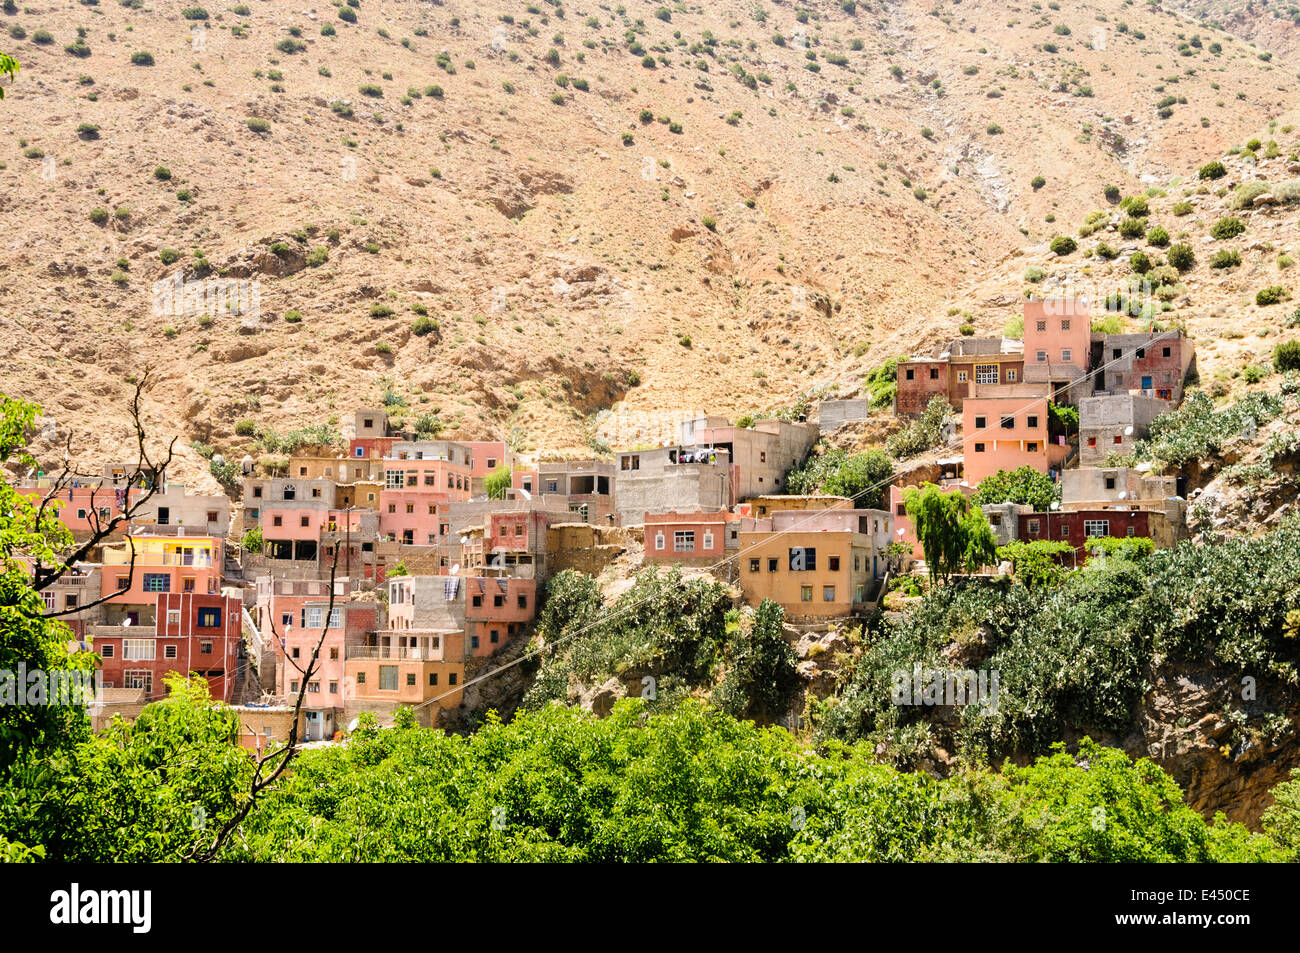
point(688, 538)
point(1058, 345)
point(496, 610)
point(1005, 433)
point(488, 457)
point(290, 615)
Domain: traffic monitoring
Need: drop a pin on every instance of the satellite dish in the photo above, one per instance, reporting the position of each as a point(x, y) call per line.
point(1128, 431)
point(464, 540)
point(524, 493)
point(455, 568)
point(900, 532)
point(1123, 494)
point(1055, 505)
point(126, 622)
point(352, 725)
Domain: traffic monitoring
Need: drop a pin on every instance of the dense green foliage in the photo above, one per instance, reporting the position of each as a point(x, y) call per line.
point(924, 433)
point(859, 476)
point(1197, 430)
point(692, 784)
point(1022, 485)
point(679, 632)
point(497, 482)
point(1078, 653)
point(954, 534)
point(26, 635)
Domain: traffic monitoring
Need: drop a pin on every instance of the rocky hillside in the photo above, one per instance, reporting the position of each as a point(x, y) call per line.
point(636, 207)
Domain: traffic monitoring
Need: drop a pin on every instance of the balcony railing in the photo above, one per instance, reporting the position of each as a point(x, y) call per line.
point(394, 653)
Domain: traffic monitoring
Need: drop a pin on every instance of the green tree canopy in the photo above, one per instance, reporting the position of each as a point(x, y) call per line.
point(1022, 485)
point(954, 535)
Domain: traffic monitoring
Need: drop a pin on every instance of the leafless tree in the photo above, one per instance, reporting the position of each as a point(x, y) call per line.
point(145, 475)
point(272, 764)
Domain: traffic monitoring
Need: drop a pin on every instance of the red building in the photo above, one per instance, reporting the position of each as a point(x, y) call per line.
point(194, 632)
point(1077, 527)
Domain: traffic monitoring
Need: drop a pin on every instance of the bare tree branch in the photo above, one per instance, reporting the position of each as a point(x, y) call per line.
point(262, 781)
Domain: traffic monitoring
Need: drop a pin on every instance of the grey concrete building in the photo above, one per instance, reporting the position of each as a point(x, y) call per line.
point(681, 479)
point(1111, 423)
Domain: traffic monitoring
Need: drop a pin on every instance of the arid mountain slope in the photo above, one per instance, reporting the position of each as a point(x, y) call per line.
point(813, 189)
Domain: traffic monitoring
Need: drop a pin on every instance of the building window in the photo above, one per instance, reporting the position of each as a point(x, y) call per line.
point(304, 521)
point(1164, 352)
point(494, 636)
point(1092, 441)
point(1119, 438)
point(771, 565)
point(473, 641)
point(498, 601)
point(1041, 325)
point(1032, 527)
point(659, 540)
point(451, 678)
point(410, 679)
point(361, 678)
point(684, 541)
point(1065, 324)
point(631, 462)
point(803, 559)
point(48, 597)
point(138, 650)
point(106, 651)
point(205, 648)
point(1008, 423)
point(1096, 527)
point(1141, 353)
point(141, 679)
point(277, 520)
point(909, 374)
point(961, 377)
point(173, 618)
point(981, 423)
point(157, 582)
point(1011, 374)
point(986, 373)
point(1110, 483)
point(805, 593)
point(388, 678)
point(257, 491)
point(979, 448)
point(1066, 355)
point(833, 563)
point(477, 601)
point(1031, 447)
point(433, 678)
point(934, 373)
point(828, 593)
point(1130, 531)
point(522, 602)
point(1031, 421)
point(289, 491)
point(708, 540)
point(1041, 357)
point(334, 688)
point(753, 565)
point(209, 618)
point(1065, 530)
point(169, 651)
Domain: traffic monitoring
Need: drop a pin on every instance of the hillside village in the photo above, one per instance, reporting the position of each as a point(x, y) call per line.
point(416, 563)
point(732, 430)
